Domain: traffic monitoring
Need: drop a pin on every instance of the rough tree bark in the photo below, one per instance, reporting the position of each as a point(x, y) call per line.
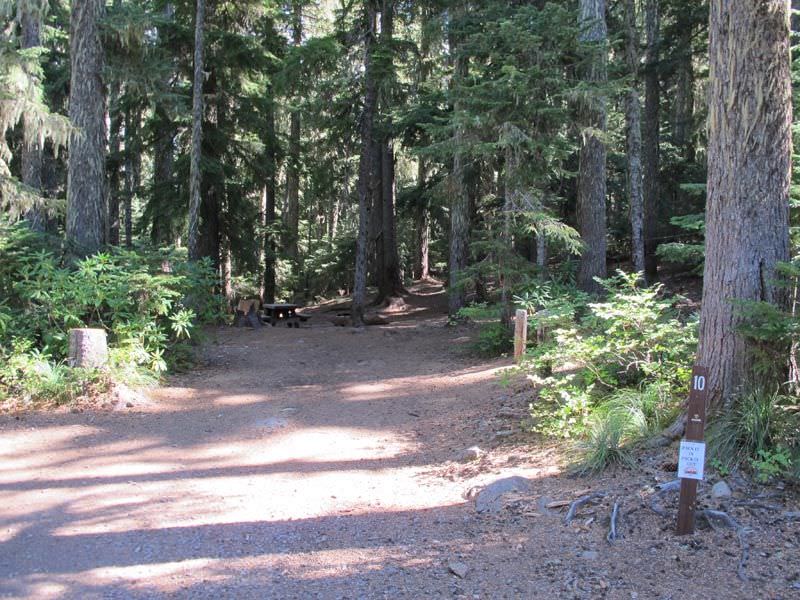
point(460, 199)
point(195, 176)
point(293, 159)
point(375, 257)
point(422, 258)
point(30, 25)
point(683, 106)
point(161, 233)
point(163, 188)
point(749, 172)
point(650, 133)
point(114, 166)
point(365, 165)
point(133, 168)
point(389, 282)
point(592, 161)
point(86, 176)
point(633, 117)
point(268, 220)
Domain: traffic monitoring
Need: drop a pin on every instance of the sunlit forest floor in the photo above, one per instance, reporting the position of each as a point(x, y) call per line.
point(322, 462)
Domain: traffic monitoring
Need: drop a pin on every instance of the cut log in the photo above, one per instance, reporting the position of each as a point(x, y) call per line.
point(373, 319)
point(252, 319)
point(88, 348)
point(341, 321)
point(520, 333)
point(246, 305)
point(395, 304)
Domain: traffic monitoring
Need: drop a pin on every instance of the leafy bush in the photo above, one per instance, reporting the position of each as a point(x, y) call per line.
point(634, 340)
point(149, 304)
point(494, 339)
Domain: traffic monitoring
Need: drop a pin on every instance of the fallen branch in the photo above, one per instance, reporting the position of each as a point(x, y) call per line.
point(663, 488)
point(755, 504)
point(668, 435)
point(741, 532)
point(573, 508)
point(612, 534)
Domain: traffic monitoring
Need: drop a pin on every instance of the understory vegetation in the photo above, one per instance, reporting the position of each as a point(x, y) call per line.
point(151, 305)
point(612, 374)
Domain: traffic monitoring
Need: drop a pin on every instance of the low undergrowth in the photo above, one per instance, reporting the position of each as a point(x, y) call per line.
point(611, 373)
point(149, 303)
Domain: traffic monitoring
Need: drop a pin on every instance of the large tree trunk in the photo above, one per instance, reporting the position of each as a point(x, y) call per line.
point(683, 108)
point(133, 169)
point(86, 176)
point(293, 160)
point(365, 167)
point(375, 258)
point(592, 160)
point(422, 257)
point(459, 198)
point(161, 233)
point(268, 222)
point(114, 164)
point(633, 117)
point(749, 172)
point(214, 191)
point(389, 283)
point(650, 132)
point(30, 24)
point(195, 176)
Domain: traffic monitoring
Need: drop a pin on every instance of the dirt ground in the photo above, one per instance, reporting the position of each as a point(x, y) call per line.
point(323, 462)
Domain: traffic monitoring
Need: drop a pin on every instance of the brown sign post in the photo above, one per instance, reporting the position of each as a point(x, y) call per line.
point(692, 454)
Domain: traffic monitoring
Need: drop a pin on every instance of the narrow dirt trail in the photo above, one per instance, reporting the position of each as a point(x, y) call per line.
point(313, 463)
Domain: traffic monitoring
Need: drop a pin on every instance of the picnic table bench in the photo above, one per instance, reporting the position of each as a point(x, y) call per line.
point(287, 313)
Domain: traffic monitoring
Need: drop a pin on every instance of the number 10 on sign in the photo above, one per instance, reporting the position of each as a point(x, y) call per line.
point(691, 460)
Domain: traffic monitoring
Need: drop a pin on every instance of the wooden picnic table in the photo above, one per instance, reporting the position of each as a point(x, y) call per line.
point(276, 313)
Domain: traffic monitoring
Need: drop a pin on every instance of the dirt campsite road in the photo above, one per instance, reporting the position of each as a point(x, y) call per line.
point(323, 463)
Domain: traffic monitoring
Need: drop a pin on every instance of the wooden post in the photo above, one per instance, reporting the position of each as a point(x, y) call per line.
point(692, 459)
point(88, 348)
point(520, 333)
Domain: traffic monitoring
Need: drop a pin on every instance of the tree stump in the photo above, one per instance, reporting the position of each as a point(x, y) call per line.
point(520, 333)
point(88, 348)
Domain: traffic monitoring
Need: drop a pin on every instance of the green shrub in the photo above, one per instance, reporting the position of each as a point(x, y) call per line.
point(635, 340)
point(494, 339)
point(624, 419)
point(150, 304)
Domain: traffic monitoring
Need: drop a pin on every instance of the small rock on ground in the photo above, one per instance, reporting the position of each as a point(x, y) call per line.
point(490, 498)
point(458, 568)
point(470, 454)
point(721, 490)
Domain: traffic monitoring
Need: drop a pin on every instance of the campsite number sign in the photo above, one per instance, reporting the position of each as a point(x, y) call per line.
point(692, 457)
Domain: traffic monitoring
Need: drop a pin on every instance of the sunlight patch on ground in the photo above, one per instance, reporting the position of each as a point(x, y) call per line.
point(175, 577)
point(17, 449)
point(404, 386)
point(240, 399)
